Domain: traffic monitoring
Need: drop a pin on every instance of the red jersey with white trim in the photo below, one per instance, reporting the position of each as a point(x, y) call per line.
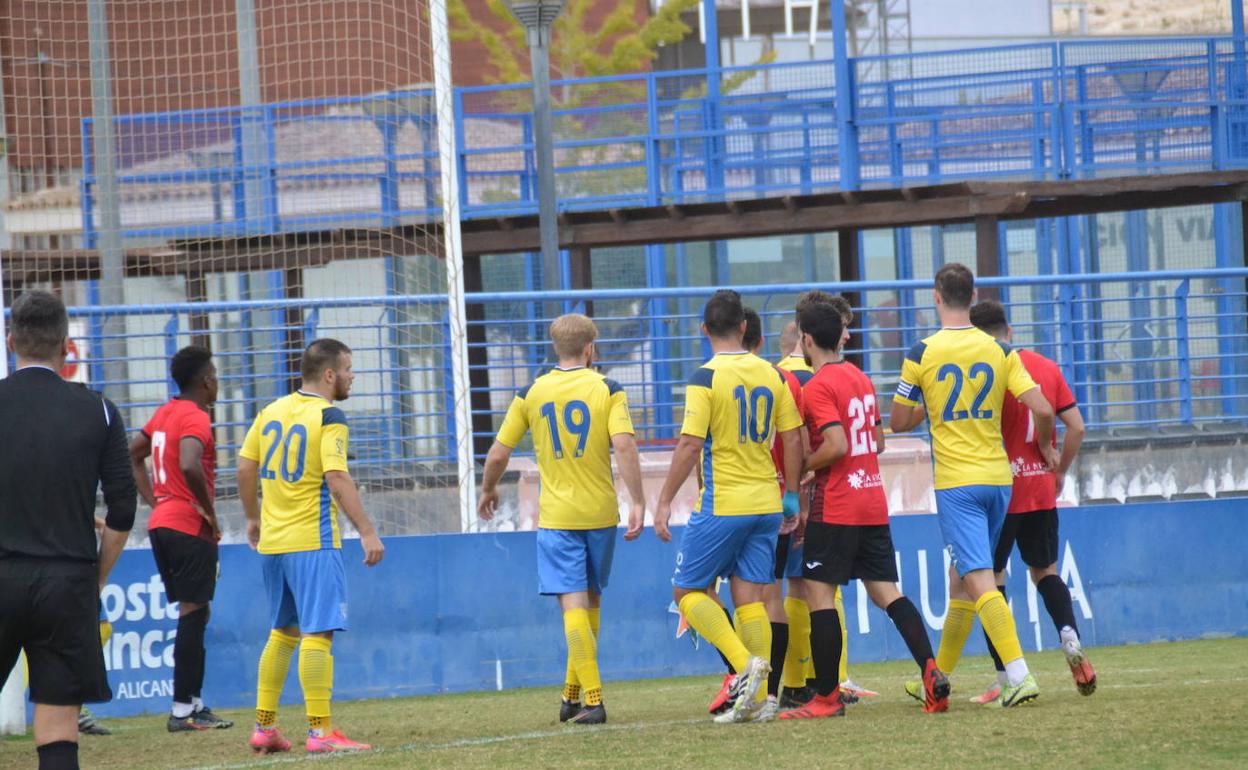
point(1035, 487)
point(777, 449)
point(176, 507)
point(850, 490)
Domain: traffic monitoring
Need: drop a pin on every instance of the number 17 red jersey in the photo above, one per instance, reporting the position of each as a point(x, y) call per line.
point(850, 490)
point(1035, 487)
point(176, 508)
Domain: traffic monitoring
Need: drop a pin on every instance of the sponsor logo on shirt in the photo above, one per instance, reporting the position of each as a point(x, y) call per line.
point(859, 479)
point(1021, 468)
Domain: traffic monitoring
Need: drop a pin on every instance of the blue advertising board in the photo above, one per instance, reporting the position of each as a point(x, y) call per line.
point(461, 612)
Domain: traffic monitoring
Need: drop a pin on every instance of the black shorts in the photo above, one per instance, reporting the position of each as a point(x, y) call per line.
point(1036, 535)
point(187, 565)
point(52, 611)
point(838, 553)
point(782, 554)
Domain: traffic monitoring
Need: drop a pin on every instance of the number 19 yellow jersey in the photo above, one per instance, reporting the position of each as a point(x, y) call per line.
point(961, 374)
point(572, 414)
point(737, 403)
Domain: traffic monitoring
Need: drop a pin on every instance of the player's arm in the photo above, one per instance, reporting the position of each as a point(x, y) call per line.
point(140, 450)
point(688, 449)
point(249, 481)
point(190, 462)
point(1075, 430)
point(342, 487)
point(833, 448)
point(908, 411)
point(903, 418)
point(879, 439)
point(119, 494)
point(628, 460)
point(495, 465)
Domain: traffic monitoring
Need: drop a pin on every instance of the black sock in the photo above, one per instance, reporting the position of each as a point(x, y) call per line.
point(731, 670)
point(909, 624)
point(779, 646)
point(61, 755)
point(825, 649)
point(996, 659)
point(1057, 601)
point(188, 650)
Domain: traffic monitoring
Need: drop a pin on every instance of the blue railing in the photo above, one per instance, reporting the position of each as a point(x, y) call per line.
point(1140, 350)
point(1043, 111)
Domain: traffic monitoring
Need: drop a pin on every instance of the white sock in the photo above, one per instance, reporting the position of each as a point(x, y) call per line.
point(197, 703)
point(1016, 671)
point(1068, 635)
point(182, 710)
point(1002, 679)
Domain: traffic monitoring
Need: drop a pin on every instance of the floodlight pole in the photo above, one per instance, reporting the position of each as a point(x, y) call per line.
point(538, 16)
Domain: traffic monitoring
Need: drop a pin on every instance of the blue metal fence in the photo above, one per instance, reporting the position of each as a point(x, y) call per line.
point(1045, 110)
point(1140, 350)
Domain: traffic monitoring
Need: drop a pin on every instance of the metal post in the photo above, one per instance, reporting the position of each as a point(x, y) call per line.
point(112, 257)
point(255, 155)
point(538, 16)
point(454, 257)
point(846, 135)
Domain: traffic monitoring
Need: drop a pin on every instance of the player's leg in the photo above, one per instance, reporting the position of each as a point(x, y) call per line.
point(595, 550)
point(1038, 546)
point(797, 661)
point(964, 529)
point(773, 601)
point(1000, 559)
point(562, 566)
point(825, 569)
point(276, 656)
point(707, 549)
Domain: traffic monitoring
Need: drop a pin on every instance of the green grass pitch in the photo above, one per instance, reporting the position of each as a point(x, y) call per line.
point(1157, 705)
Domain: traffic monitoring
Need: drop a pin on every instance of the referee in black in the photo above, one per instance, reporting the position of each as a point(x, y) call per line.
point(61, 443)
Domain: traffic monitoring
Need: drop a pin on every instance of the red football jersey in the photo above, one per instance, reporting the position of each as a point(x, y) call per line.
point(176, 508)
point(777, 448)
point(850, 490)
point(1035, 487)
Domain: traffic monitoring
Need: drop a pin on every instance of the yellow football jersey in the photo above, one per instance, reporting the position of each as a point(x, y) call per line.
point(296, 440)
point(572, 414)
point(738, 402)
point(796, 363)
point(961, 375)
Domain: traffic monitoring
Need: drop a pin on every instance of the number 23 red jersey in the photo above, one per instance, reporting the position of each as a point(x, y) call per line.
point(851, 490)
point(175, 503)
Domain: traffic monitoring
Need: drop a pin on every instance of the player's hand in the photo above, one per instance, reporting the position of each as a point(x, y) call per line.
point(788, 525)
point(799, 534)
point(1051, 457)
point(808, 478)
point(1060, 482)
point(636, 520)
point(373, 549)
point(487, 504)
point(99, 526)
point(253, 534)
point(661, 517)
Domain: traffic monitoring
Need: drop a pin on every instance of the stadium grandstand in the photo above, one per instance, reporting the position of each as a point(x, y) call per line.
point(252, 176)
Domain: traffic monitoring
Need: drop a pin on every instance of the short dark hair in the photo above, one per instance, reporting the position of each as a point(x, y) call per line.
point(842, 306)
point(753, 329)
point(187, 364)
point(811, 297)
point(956, 285)
point(39, 325)
point(822, 322)
point(989, 316)
point(723, 313)
point(322, 354)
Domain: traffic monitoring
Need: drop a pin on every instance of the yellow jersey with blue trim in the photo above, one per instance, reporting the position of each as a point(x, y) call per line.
point(961, 375)
point(296, 440)
point(796, 363)
point(572, 415)
point(738, 403)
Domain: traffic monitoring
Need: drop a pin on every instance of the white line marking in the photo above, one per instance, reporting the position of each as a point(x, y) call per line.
point(461, 743)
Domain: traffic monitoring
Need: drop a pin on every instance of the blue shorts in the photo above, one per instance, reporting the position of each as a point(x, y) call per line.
point(572, 560)
point(307, 589)
point(736, 546)
point(970, 519)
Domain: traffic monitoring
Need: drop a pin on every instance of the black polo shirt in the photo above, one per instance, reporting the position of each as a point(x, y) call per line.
point(59, 443)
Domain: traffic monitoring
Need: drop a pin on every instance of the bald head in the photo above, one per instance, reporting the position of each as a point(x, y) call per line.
point(788, 338)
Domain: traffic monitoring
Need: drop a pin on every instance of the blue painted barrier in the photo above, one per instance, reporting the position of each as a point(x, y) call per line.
point(460, 612)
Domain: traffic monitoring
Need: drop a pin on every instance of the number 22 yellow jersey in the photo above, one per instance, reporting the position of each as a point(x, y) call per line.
point(961, 374)
point(296, 440)
point(738, 402)
point(572, 413)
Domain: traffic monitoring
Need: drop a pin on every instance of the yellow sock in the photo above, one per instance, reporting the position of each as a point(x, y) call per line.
point(583, 652)
point(595, 620)
point(843, 666)
point(797, 656)
point(316, 677)
point(709, 620)
point(571, 684)
point(754, 628)
point(959, 620)
point(274, 663)
point(994, 613)
point(106, 632)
